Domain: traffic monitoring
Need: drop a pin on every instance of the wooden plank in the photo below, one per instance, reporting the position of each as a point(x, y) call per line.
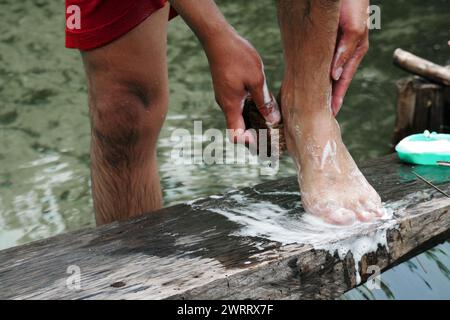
point(191, 251)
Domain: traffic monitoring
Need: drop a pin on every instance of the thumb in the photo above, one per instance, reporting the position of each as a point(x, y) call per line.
point(346, 47)
point(265, 102)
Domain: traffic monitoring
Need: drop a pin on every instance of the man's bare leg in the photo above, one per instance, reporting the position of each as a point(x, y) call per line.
point(128, 97)
point(332, 185)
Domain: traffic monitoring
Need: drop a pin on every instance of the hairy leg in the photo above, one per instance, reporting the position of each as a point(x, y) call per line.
point(128, 97)
point(332, 185)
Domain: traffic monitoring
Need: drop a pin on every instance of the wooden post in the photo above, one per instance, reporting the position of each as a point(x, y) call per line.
point(421, 105)
point(447, 109)
point(424, 100)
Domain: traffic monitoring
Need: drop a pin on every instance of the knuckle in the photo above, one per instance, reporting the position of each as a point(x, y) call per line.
point(220, 100)
point(357, 30)
point(259, 80)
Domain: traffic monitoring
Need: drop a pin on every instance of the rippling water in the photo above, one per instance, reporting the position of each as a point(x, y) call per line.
point(44, 126)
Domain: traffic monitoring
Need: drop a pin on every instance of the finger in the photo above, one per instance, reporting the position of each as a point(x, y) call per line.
point(265, 101)
point(236, 129)
point(346, 47)
point(341, 86)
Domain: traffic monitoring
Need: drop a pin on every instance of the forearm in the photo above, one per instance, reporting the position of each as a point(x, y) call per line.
point(204, 18)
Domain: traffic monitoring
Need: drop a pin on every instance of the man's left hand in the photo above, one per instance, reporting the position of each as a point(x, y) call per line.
point(352, 46)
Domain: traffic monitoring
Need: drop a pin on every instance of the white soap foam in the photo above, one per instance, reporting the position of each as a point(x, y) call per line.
point(287, 226)
point(329, 154)
point(266, 93)
point(277, 193)
point(434, 145)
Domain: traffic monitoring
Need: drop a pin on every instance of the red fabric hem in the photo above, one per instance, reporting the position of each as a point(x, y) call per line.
point(102, 35)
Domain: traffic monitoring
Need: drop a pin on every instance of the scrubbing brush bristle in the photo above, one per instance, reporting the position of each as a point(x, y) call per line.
point(275, 140)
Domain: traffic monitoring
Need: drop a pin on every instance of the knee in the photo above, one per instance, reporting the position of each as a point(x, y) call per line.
point(121, 104)
point(126, 117)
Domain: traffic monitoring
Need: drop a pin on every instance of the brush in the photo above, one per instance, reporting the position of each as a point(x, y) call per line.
point(254, 120)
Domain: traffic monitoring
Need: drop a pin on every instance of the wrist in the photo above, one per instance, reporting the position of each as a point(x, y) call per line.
point(216, 37)
point(206, 21)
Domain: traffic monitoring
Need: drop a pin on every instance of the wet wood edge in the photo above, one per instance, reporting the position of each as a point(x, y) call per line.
point(190, 252)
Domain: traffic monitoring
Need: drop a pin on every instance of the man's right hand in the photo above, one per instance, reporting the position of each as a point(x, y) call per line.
point(237, 71)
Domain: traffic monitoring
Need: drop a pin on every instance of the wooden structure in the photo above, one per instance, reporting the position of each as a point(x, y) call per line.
point(190, 251)
point(422, 67)
point(424, 99)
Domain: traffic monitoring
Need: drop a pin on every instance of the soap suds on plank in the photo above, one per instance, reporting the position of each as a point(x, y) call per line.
point(270, 221)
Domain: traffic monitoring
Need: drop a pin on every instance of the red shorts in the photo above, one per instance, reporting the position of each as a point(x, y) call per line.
point(94, 23)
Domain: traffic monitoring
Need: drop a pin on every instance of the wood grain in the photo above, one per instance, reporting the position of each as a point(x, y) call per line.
point(191, 252)
point(421, 106)
point(422, 67)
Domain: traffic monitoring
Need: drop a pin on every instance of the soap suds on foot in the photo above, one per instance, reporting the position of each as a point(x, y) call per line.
point(329, 156)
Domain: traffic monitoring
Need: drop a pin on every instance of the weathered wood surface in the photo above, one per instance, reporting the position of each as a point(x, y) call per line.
point(421, 106)
point(191, 252)
point(422, 67)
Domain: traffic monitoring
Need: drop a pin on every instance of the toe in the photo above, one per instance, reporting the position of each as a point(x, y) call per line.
point(331, 213)
point(379, 212)
point(340, 216)
point(373, 207)
point(365, 216)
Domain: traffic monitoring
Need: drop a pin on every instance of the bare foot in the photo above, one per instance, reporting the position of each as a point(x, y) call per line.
point(331, 184)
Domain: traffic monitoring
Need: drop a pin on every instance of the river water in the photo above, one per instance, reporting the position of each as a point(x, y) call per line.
point(44, 125)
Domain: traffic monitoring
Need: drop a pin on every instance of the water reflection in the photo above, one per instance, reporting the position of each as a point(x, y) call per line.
point(434, 174)
point(425, 276)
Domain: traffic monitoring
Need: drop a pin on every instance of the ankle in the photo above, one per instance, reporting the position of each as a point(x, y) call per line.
point(312, 122)
point(318, 130)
